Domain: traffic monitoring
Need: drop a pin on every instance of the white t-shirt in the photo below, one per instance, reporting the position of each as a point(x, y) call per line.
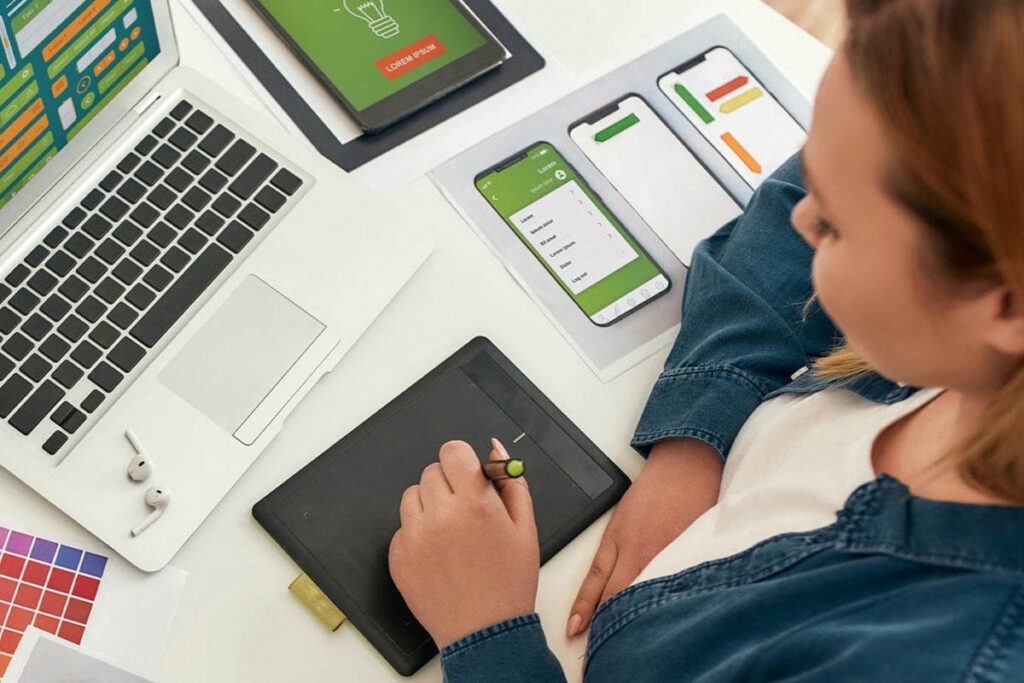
point(792, 467)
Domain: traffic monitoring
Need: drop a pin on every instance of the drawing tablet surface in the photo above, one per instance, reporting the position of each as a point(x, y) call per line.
point(337, 515)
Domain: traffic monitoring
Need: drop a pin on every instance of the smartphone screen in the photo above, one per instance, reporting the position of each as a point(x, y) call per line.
point(573, 234)
point(735, 113)
point(656, 173)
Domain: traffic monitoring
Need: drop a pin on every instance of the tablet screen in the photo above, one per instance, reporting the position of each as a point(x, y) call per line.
point(372, 49)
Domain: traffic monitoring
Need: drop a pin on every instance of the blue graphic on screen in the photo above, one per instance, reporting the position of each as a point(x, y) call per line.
point(62, 62)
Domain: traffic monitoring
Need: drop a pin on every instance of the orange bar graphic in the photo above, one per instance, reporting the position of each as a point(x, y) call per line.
point(37, 129)
point(59, 86)
point(14, 130)
point(102, 65)
point(74, 28)
point(742, 153)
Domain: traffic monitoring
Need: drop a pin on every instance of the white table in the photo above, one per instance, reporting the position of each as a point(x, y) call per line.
point(237, 621)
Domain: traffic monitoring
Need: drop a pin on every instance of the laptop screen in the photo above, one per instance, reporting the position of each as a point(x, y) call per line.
point(62, 62)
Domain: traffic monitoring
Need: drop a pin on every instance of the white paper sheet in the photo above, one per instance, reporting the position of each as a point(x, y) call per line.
point(42, 658)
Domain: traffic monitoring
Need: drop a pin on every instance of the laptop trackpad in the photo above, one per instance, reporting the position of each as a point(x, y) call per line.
point(248, 359)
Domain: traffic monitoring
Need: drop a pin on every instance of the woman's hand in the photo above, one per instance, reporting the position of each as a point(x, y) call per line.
point(466, 555)
point(679, 482)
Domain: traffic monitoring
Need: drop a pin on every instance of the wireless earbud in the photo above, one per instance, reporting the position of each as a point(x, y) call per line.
point(141, 466)
point(158, 499)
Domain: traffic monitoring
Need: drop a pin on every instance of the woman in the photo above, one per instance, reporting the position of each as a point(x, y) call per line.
point(911, 229)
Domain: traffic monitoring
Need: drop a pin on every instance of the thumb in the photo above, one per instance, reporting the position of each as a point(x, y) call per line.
point(515, 493)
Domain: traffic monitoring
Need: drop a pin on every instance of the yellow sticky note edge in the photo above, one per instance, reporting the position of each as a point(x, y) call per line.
point(312, 597)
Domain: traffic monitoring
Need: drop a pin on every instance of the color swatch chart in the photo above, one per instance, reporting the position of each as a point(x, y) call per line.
point(735, 113)
point(46, 585)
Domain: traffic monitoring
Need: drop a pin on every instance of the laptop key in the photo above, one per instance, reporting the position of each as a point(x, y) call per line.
point(175, 259)
point(62, 413)
point(161, 197)
point(60, 263)
point(235, 237)
point(128, 164)
point(181, 110)
point(110, 251)
point(114, 209)
point(17, 275)
point(162, 234)
point(127, 233)
point(178, 179)
point(92, 309)
point(104, 335)
point(110, 290)
point(166, 156)
point(126, 355)
point(145, 215)
point(86, 355)
point(36, 327)
point(74, 219)
point(93, 401)
point(18, 346)
point(9, 320)
point(68, 374)
point(196, 199)
point(253, 176)
point(36, 408)
point(254, 216)
point(145, 253)
point(163, 128)
point(6, 367)
point(54, 348)
point(92, 270)
point(149, 174)
point(106, 377)
point(183, 139)
point(192, 241)
point(183, 293)
point(5, 292)
point(93, 199)
point(199, 122)
point(13, 392)
point(216, 140)
point(122, 315)
point(111, 181)
point(97, 226)
point(55, 442)
point(180, 217)
point(140, 296)
point(36, 367)
point(42, 282)
point(72, 328)
point(234, 159)
point(74, 289)
point(146, 145)
point(73, 422)
point(79, 245)
point(210, 223)
point(55, 308)
point(287, 182)
point(127, 271)
point(196, 162)
point(132, 190)
point(213, 180)
point(158, 277)
point(56, 237)
point(270, 199)
point(24, 301)
point(226, 205)
point(37, 255)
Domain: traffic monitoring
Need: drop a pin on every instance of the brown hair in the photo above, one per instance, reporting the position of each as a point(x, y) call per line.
point(945, 78)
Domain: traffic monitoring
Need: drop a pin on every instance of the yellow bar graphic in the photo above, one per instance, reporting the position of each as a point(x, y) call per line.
point(742, 153)
point(741, 100)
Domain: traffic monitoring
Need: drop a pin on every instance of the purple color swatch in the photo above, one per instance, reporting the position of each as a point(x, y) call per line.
point(44, 550)
point(68, 558)
point(3, 536)
point(19, 543)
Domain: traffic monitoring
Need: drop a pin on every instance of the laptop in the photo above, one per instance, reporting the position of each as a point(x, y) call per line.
point(172, 268)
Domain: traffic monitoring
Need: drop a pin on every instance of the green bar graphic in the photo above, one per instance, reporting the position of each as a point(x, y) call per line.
point(696, 106)
point(18, 80)
point(28, 14)
point(616, 128)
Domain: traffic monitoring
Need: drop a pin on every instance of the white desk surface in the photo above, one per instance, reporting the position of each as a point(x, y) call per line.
point(238, 621)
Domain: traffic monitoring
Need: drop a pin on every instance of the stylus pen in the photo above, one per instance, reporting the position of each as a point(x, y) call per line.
point(506, 467)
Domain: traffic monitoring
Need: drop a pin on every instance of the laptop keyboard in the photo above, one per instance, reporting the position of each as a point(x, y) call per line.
point(87, 304)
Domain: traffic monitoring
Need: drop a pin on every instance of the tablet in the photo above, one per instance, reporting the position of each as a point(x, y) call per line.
point(385, 59)
point(337, 515)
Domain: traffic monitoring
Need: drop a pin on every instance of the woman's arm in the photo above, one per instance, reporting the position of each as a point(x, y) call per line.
point(743, 332)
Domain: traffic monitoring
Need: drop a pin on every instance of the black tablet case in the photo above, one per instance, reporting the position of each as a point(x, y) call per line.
point(337, 515)
point(524, 61)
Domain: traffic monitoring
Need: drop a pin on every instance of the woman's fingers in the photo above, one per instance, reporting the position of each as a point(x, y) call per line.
point(515, 493)
point(434, 486)
point(411, 505)
point(593, 586)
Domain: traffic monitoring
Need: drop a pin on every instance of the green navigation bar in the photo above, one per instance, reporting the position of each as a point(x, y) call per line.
point(696, 106)
point(616, 128)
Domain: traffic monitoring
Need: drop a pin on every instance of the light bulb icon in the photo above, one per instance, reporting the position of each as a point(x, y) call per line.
point(375, 16)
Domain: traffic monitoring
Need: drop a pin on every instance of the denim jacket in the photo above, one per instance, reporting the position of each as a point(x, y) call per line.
point(897, 588)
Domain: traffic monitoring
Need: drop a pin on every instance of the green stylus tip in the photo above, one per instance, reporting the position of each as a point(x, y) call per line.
point(515, 468)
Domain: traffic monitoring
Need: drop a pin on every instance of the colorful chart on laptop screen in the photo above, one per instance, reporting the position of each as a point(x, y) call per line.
point(735, 112)
point(46, 585)
point(62, 62)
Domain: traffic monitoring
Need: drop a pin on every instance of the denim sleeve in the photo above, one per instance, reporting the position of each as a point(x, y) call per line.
point(511, 651)
point(743, 332)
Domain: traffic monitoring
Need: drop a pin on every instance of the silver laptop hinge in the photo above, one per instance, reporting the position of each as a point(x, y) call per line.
point(147, 102)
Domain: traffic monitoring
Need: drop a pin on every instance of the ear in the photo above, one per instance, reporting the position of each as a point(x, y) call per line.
point(1006, 323)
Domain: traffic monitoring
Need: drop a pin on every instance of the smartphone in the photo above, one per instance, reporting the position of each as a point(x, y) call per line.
point(385, 59)
point(573, 234)
point(655, 172)
point(735, 113)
